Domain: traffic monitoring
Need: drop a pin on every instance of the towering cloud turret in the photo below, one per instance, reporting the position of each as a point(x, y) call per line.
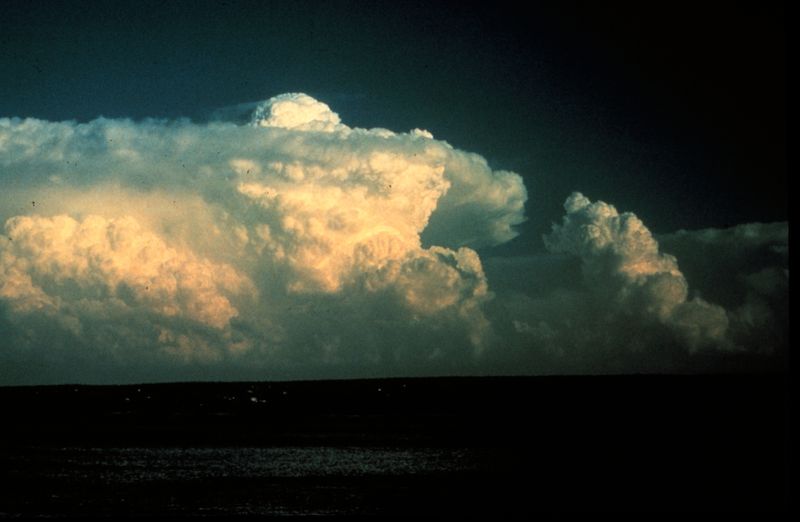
point(290, 242)
point(621, 257)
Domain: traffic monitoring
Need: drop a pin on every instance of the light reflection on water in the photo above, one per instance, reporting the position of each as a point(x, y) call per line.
point(145, 464)
point(207, 480)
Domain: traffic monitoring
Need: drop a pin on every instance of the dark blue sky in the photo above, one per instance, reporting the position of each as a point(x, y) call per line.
point(675, 112)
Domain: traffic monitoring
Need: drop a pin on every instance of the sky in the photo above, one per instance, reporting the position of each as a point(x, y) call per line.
point(295, 190)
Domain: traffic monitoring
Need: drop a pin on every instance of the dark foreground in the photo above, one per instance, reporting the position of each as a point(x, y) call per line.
point(455, 447)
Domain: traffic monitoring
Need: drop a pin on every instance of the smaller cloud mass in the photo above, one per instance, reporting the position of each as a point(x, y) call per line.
point(291, 247)
point(621, 261)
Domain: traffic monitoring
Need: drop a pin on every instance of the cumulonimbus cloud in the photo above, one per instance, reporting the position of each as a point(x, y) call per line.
point(224, 235)
point(608, 297)
point(620, 256)
point(290, 245)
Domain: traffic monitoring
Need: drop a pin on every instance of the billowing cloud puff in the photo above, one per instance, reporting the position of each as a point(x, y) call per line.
point(620, 256)
point(293, 240)
point(54, 263)
point(296, 111)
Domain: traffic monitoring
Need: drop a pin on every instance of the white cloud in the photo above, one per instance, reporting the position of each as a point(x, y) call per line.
point(274, 243)
point(627, 305)
point(296, 111)
point(296, 246)
point(52, 263)
point(620, 255)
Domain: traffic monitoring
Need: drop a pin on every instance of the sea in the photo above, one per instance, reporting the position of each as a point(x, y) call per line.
point(233, 481)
